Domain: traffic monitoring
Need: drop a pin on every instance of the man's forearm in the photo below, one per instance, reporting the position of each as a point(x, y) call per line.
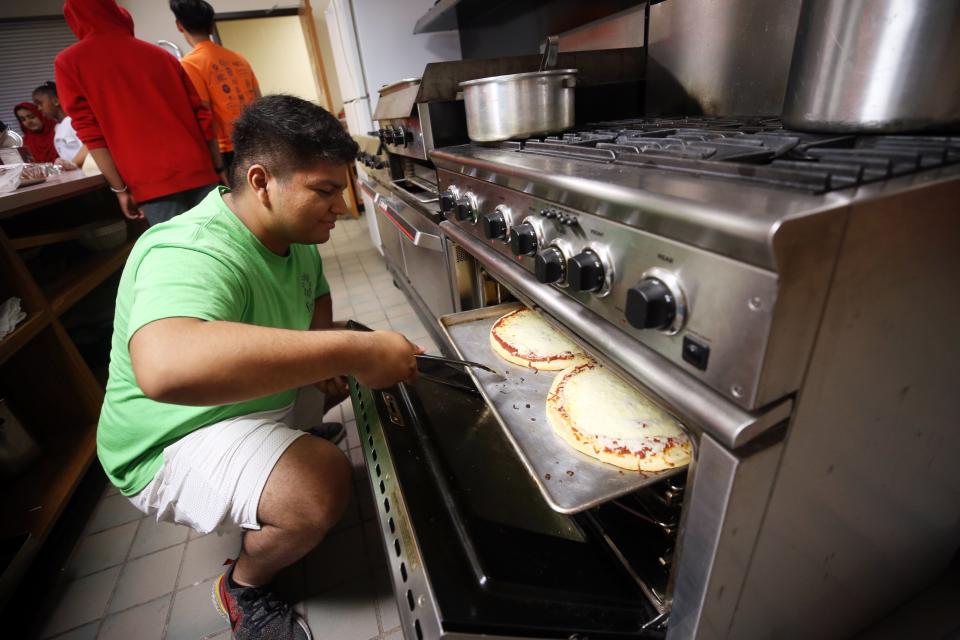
point(109, 170)
point(80, 157)
point(195, 362)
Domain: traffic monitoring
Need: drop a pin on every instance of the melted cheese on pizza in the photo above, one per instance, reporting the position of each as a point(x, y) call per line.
point(600, 406)
point(525, 338)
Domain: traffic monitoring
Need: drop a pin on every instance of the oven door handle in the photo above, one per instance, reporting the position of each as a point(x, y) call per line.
point(416, 237)
point(369, 188)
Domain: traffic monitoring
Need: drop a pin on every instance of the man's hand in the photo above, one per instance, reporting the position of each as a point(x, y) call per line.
point(129, 206)
point(390, 360)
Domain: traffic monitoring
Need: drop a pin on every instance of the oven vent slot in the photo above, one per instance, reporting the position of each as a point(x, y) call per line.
point(462, 255)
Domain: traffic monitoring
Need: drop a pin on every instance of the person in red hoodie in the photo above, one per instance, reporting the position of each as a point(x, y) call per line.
point(37, 132)
point(138, 113)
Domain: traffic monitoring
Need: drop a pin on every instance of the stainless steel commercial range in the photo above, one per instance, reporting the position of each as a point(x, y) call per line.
point(402, 189)
point(789, 297)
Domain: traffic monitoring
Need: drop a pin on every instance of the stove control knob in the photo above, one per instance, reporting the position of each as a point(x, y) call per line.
point(550, 265)
point(494, 225)
point(523, 240)
point(650, 305)
point(448, 200)
point(400, 136)
point(585, 272)
point(467, 207)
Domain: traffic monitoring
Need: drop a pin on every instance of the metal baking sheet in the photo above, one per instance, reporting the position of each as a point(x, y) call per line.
point(569, 480)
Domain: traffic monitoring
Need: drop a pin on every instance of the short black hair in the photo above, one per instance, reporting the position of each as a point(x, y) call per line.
point(47, 88)
point(286, 134)
point(196, 16)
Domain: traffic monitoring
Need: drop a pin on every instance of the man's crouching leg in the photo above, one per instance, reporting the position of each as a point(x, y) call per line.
point(305, 496)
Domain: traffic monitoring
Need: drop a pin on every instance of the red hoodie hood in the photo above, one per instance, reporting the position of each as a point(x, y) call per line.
point(97, 17)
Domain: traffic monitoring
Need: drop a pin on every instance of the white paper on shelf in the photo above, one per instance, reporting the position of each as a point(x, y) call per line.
point(10, 315)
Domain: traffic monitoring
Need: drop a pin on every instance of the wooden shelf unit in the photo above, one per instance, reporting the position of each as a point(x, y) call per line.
point(25, 331)
point(72, 286)
point(46, 382)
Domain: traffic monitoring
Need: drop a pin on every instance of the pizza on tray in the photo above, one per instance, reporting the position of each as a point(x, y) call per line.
point(598, 414)
point(524, 338)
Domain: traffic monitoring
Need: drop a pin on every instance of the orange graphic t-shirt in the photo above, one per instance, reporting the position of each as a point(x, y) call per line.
point(225, 81)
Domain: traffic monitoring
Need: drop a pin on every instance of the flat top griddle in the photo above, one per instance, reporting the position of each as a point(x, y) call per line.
point(570, 481)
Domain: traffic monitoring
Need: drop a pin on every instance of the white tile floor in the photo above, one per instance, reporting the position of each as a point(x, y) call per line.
point(130, 577)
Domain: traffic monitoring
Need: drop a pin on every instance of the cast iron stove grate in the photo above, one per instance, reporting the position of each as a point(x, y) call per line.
point(749, 149)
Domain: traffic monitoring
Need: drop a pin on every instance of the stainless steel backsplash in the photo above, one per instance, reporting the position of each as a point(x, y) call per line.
point(720, 57)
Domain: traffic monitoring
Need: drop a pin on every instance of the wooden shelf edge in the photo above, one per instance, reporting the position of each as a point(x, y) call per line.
point(98, 271)
point(42, 239)
point(52, 480)
point(52, 500)
point(26, 331)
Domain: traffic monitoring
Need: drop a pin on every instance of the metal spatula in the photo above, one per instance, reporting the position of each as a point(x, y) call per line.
point(464, 363)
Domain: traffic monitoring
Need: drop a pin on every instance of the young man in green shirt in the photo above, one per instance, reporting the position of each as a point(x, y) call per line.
point(223, 313)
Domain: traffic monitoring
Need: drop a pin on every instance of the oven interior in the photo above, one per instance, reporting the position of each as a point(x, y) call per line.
point(500, 560)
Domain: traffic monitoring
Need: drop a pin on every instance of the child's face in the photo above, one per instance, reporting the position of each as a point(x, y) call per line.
point(28, 121)
point(47, 104)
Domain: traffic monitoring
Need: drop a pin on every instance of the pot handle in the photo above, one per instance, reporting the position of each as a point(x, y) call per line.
point(569, 82)
point(550, 49)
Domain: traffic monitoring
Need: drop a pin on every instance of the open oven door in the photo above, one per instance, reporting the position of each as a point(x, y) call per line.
point(474, 550)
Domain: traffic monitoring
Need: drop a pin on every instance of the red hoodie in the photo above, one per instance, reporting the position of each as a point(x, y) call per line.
point(135, 99)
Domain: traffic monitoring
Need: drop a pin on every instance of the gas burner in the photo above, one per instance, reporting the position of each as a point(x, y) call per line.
point(752, 149)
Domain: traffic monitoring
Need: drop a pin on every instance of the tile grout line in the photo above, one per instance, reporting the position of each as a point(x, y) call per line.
point(173, 594)
point(123, 566)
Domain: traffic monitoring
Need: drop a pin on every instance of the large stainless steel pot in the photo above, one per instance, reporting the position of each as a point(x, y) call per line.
point(519, 105)
point(875, 66)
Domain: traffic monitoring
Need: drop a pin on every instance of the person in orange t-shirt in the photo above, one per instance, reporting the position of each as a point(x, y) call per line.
point(223, 78)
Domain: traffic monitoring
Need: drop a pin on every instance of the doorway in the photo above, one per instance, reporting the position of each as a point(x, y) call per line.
point(276, 48)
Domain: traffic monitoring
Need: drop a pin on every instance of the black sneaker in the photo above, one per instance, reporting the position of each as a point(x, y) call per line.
point(332, 431)
point(255, 613)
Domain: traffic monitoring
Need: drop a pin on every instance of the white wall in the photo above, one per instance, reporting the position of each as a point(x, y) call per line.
point(154, 21)
point(388, 48)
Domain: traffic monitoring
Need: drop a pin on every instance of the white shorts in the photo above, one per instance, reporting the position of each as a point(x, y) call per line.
point(213, 477)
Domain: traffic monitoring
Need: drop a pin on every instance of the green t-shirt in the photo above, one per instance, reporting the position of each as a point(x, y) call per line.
point(202, 264)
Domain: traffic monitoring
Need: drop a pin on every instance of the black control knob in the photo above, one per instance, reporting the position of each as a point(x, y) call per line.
point(650, 305)
point(465, 208)
point(523, 240)
point(494, 225)
point(448, 201)
point(400, 136)
point(386, 134)
point(549, 266)
point(585, 272)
